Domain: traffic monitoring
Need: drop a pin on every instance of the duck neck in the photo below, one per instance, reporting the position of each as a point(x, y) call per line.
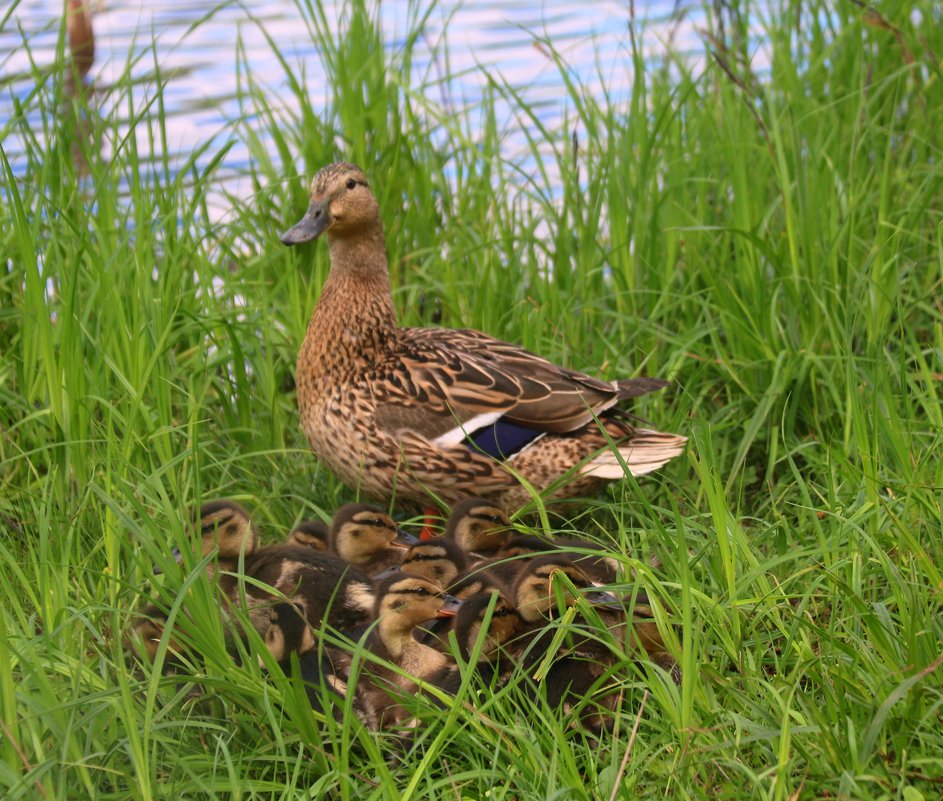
point(354, 321)
point(394, 636)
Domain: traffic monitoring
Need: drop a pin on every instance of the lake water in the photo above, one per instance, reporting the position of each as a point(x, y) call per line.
point(194, 44)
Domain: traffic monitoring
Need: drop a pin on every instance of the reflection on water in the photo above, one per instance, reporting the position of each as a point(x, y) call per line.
point(191, 44)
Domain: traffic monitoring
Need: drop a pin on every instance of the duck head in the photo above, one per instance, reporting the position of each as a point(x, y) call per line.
point(359, 533)
point(224, 525)
point(403, 602)
point(502, 626)
point(439, 560)
point(534, 592)
point(341, 204)
point(310, 534)
point(478, 526)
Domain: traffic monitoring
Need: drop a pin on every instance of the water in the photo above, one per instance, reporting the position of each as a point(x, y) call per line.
point(192, 42)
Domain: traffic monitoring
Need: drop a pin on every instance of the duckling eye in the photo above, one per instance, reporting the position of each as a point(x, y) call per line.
point(422, 591)
point(495, 519)
point(351, 183)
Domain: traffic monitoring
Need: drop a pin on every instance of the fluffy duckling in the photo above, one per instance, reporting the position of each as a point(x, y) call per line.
point(311, 534)
point(324, 587)
point(479, 526)
point(504, 623)
point(290, 633)
point(403, 602)
point(502, 626)
point(578, 670)
point(440, 560)
point(369, 538)
point(145, 634)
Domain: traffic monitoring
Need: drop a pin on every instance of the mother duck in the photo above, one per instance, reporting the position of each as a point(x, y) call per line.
point(415, 413)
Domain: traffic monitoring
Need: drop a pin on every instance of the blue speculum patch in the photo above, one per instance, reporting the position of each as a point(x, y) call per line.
point(502, 439)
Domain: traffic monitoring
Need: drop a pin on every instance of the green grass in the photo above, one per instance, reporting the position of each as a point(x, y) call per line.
point(771, 243)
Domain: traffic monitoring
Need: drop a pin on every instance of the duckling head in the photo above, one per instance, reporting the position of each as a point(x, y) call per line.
point(534, 594)
point(478, 526)
point(361, 533)
point(341, 204)
point(310, 534)
point(288, 631)
point(403, 602)
point(472, 614)
point(439, 560)
point(225, 525)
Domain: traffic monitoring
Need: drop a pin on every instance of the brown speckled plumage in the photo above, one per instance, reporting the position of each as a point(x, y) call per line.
point(386, 407)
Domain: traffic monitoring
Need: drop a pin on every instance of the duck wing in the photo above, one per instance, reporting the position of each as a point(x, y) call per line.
point(447, 383)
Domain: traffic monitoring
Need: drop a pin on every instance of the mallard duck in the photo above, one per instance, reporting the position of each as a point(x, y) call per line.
point(403, 602)
point(367, 537)
point(311, 534)
point(432, 412)
point(322, 586)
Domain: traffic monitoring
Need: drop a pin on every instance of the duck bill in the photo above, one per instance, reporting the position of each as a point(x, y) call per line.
point(605, 600)
point(310, 227)
point(404, 539)
point(449, 607)
point(385, 574)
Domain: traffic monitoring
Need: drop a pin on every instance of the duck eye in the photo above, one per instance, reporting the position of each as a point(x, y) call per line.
point(422, 591)
point(351, 183)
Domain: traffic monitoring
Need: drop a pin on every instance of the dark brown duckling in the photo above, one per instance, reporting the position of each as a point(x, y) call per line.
point(403, 602)
point(488, 616)
point(368, 538)
point(290, 633)
point(311, 534)
point(323, 587)
point(479, 526)
point(578, 673)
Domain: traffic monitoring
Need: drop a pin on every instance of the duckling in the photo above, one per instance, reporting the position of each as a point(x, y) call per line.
point(440, 560)
point(145, 634)
point(403, 602)
point(414, 412)
point(365, 536)
point(479, 526)
point(311, 534)
point(323, 586)
point(289, 632)
point(502, 626)
point(576, 671)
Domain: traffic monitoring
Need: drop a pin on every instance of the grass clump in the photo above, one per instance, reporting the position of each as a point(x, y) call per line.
point(768, 239)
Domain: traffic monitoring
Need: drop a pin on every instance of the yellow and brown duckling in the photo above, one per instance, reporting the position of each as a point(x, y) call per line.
point(417, 412)
point(324, 587)
point(313, 534)
point(479, 527)
point(403, 602)
point(368, 538)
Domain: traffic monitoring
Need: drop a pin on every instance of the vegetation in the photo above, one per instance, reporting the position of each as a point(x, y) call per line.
point(768, 239)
